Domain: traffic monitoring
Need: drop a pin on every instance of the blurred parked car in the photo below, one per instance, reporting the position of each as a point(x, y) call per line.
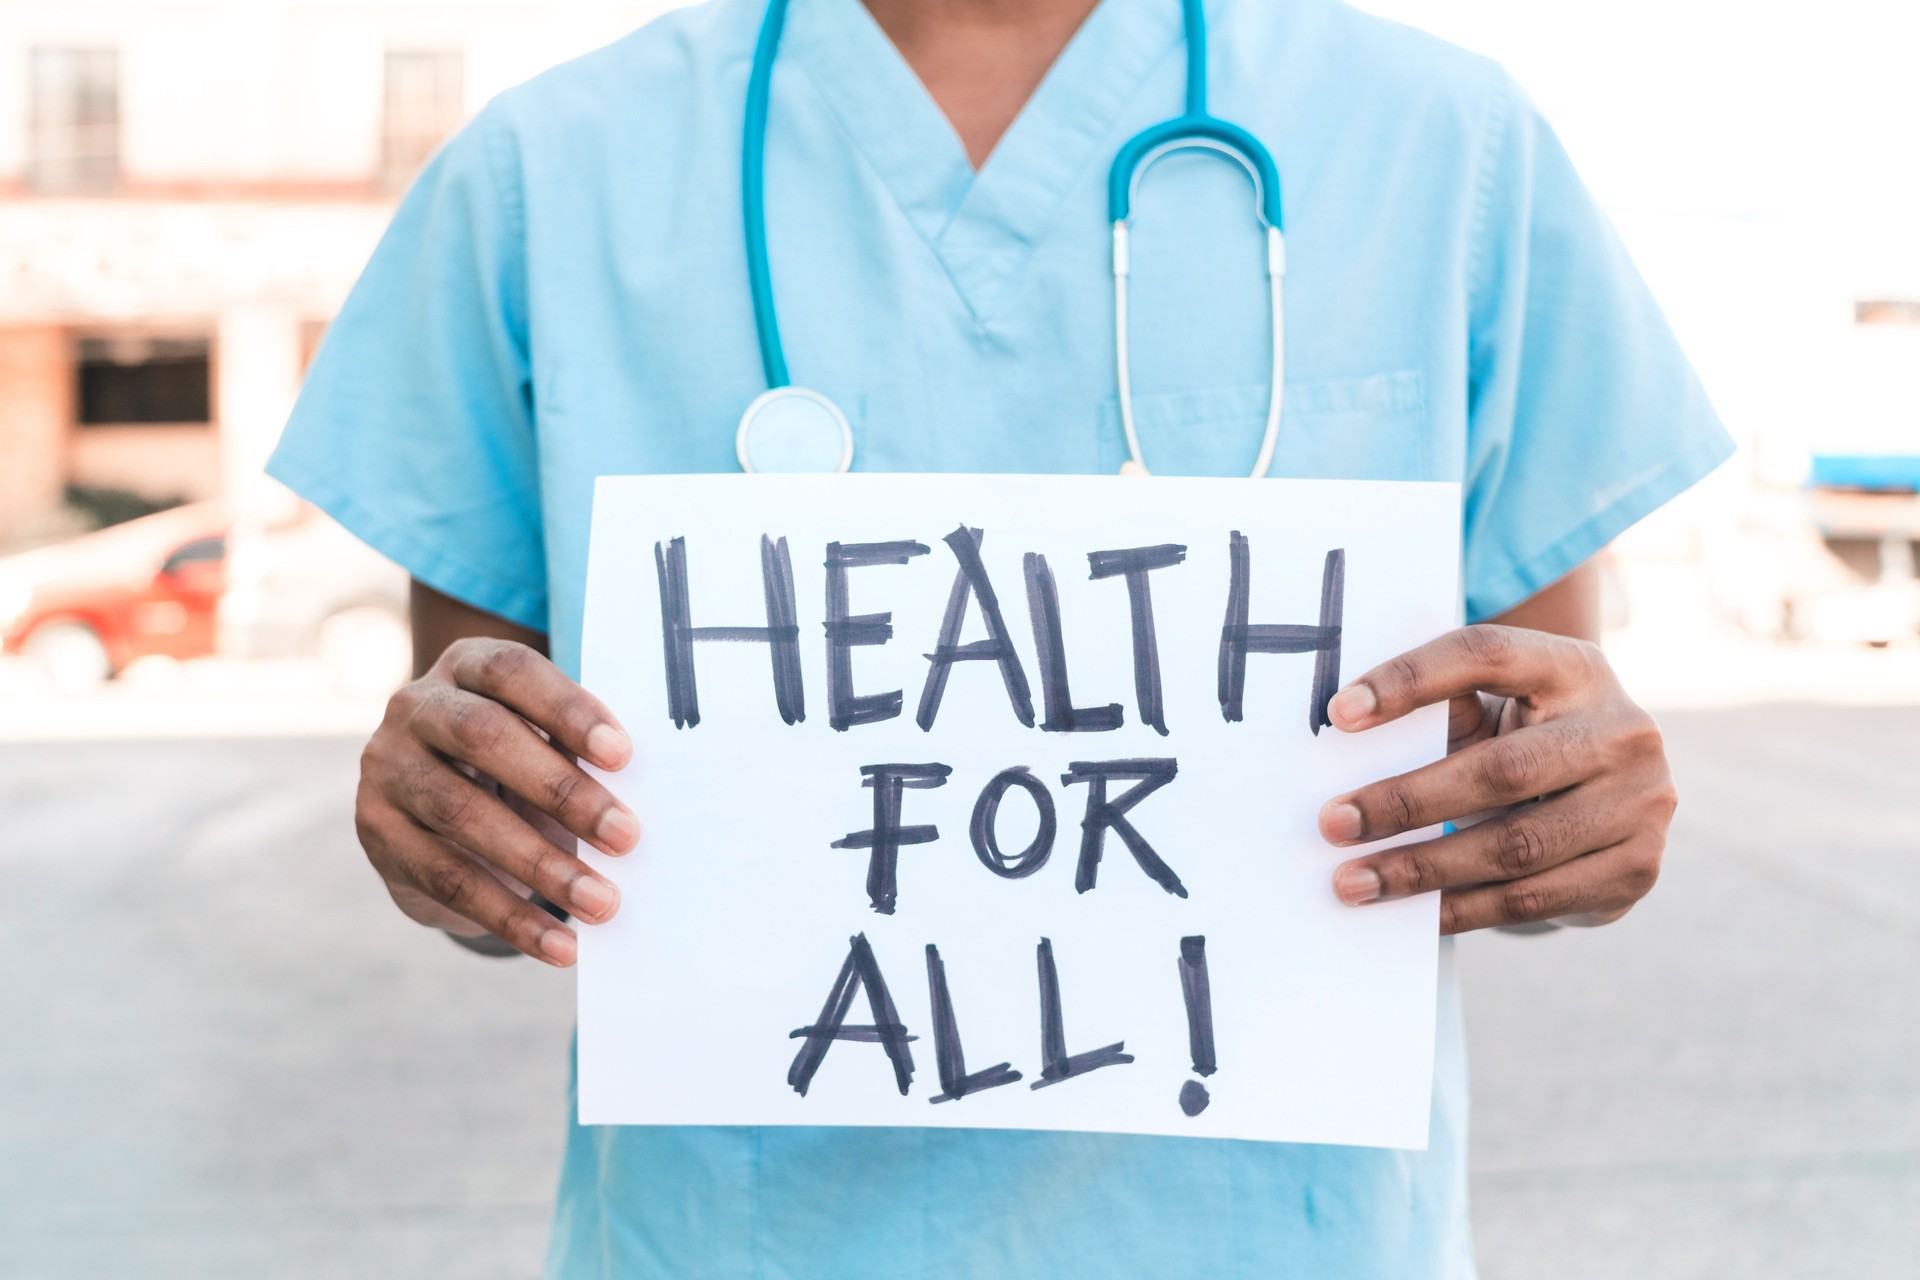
point(83, 610)
point(305, 587)
point(187, 583)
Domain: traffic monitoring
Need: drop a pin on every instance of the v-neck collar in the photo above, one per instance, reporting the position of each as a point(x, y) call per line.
point(981, 226)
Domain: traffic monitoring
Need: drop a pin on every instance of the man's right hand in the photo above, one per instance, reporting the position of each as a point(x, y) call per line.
point(450, 849)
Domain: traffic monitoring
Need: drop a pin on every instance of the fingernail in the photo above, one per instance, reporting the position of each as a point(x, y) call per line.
point(559, 946)
point(1340, 822)
point(1356, 885)
point(617, 830)
point(1352, 704)
point(608, 747)
point(593, 897)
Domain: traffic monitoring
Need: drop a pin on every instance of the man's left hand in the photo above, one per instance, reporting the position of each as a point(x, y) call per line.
point(1569, 776)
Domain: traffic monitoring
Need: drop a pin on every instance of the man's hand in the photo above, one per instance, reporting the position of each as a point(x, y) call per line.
point(1569, 773)
point(451, 850)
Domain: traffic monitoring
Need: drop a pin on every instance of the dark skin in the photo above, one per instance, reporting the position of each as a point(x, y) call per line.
point(1535, 711)
point(1570, 775)
point(980, 60)
point(1558, 780)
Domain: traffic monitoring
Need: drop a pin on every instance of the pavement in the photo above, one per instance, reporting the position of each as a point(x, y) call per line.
point(223, 1055)
point(1727, 1082)
point(159, 698)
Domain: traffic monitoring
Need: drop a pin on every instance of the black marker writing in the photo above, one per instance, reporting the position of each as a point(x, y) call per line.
point(1134, 564)
point(952, 1063)
point(986, 841)
point(1043, 602)
point(1055, 1064)
point(845, 631)
point(860, 971)
point(1199, 998)
point(1105, 815)
point(1238, 637)
point(972, 580)
point(781, 635)
point(889, 783)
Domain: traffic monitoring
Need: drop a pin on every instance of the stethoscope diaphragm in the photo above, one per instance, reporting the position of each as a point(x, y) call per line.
point(793, 429)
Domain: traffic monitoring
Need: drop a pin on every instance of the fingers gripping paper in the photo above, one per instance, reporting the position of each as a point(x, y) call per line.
point(990, 802)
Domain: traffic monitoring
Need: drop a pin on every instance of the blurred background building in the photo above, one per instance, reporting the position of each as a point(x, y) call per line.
point(187, 191)
point(1757, 160)
point(188, 188)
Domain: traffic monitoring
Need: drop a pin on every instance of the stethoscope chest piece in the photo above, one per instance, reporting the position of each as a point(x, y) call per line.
point(790, 428)
point(793, 429)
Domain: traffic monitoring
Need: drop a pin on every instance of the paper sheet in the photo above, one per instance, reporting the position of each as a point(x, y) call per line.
point(916, 849)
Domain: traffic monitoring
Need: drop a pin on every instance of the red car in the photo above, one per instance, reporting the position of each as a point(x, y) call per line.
point(87, 608)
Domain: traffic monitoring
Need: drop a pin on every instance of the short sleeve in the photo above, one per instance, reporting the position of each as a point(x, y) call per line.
point(415, 427)
point(1584, 415)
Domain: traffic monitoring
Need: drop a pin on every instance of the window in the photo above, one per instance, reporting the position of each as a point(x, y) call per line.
point(199, 551)
point(73, 120)
point(1886, 311)
point(145, 380)
point(425, 101)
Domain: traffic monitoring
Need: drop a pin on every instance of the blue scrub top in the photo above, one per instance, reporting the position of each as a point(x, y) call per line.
point(564, 294)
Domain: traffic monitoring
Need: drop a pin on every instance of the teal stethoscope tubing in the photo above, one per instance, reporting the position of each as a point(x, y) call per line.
point(1196, 128)
point(753, 195)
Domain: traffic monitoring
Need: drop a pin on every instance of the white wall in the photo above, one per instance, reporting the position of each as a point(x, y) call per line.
point(257, 90)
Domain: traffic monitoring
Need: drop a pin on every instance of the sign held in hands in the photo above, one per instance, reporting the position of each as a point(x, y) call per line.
point(989, 802)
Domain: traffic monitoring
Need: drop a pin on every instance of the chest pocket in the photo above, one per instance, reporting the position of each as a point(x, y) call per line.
point(1368, 428)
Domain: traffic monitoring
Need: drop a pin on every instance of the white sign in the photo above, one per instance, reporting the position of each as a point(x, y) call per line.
point(989, 802)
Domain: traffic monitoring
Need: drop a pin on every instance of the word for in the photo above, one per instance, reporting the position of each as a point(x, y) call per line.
point(861, 975)
point(1104, 813)
point(846, 631)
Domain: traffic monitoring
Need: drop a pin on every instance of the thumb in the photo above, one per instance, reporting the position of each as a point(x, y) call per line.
point(1471, 718)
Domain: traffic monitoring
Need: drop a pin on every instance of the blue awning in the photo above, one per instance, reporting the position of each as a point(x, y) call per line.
point(1897, 472)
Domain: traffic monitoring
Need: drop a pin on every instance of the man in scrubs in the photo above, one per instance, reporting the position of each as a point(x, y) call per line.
point(564, 294)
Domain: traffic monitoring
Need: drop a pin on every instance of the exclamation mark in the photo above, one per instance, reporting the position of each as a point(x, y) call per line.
point(1193, 986)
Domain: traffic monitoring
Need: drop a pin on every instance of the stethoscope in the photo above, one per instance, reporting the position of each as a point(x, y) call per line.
point(793, 428)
